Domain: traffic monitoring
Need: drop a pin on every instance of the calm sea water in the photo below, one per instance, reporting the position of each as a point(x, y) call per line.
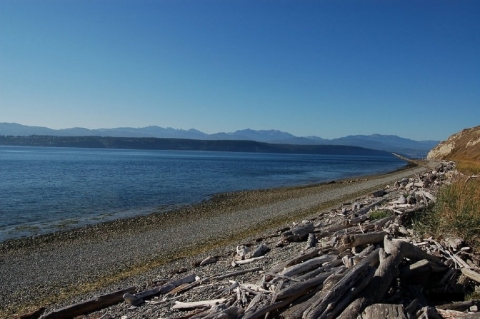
point(48, 189)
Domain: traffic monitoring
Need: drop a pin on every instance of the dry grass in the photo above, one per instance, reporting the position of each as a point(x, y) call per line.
point(468, 167)
point(457, 212)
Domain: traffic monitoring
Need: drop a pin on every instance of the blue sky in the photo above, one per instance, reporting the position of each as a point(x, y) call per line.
point(324, 68)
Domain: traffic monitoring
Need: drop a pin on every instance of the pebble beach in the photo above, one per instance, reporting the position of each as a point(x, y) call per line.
point(62, 268)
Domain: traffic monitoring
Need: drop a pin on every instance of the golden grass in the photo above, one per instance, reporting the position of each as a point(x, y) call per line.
point(457, 212)
point(468, 167)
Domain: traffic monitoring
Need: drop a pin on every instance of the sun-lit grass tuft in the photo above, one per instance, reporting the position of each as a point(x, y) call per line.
point(457, 212)
point(379, 214)
point(469, 167)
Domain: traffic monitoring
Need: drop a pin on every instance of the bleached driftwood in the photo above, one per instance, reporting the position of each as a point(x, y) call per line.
point(253, 304)
point(460, 306)
point(264, 310)
point(235, 273)
point(307, 254)
point(325, 307)
point(363, 239)
point(355, 220)
point(296, 312)
point(337, 264)
point(385, 273)
point(417, 272)
point(246, 261)
point(197, 304)
point(138, 298)
point(408, 250)
point(254, 287)
point(471, 274)
point(228, 313)
point(307, 265)
point(387, 311)
point(452, 314)
point(89, 305)
point(298, 289)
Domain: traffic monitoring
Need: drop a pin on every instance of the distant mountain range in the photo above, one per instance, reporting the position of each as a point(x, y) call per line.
point(389, 143)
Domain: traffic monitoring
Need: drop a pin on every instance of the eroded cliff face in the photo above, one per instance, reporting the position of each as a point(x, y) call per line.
point(462, 145)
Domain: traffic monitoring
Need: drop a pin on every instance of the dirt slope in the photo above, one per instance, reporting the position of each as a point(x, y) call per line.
point(464, 145)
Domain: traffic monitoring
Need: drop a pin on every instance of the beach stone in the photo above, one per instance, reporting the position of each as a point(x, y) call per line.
point(303, 229)
point(261, 250)
point(242, 251)
point(454, 243)
point(379, 193)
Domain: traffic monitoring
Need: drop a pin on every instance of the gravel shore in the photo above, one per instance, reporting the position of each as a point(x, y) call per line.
point(60, 268)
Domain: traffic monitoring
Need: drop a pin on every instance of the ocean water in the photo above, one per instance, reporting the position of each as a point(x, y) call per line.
point(49, 189)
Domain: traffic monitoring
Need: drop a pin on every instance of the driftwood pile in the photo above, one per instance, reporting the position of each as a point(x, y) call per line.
point(351, 266)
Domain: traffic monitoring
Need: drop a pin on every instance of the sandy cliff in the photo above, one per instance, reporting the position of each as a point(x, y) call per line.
point(460, 146)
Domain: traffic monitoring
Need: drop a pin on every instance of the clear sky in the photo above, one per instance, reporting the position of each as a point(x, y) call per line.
point(324, 68)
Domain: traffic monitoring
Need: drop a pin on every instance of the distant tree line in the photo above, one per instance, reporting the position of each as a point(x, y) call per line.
point(183, 144)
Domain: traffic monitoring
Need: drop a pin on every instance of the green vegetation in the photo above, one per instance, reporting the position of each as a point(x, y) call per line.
point(456, 213)
point(379, 214)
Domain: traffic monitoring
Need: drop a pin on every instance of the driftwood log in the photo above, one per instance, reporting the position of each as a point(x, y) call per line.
point(325, 308)
point(197, 304)
point(91, 305)
point(471, 274)
point(307, 265)
point(387, 311)
point(136, 299)
point(395, 251)
point(300, 288)
point(363, 239)
point(33, 314)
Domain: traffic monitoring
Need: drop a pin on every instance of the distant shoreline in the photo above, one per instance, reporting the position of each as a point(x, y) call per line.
point(179, 144)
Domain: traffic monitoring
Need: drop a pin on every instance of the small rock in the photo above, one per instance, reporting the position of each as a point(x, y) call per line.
point(242, 251)
point(454, 243)
point(261, 250)
point(379, 193)
point(401, 200)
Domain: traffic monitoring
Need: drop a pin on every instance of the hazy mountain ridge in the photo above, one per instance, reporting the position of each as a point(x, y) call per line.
point(389, 143)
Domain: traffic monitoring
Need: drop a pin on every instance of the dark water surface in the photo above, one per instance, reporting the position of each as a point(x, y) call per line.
point(48, 189)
